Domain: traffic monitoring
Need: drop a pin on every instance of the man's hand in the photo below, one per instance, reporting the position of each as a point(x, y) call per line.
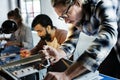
point(10, 43)
point(76, 69)
point(53, 54)
point(25, 53)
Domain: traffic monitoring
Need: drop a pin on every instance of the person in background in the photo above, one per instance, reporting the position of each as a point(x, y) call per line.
point(49, 35)
point(21, 38)
point(93, 17)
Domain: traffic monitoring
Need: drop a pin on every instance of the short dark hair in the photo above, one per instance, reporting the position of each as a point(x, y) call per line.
point(43, 20)
point(63, 2)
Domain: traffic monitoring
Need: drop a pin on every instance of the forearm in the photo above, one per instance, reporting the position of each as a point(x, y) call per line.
point(34, 51)
point(18, 43)
point(7, 39)
point(75, 70)
point(14, 43)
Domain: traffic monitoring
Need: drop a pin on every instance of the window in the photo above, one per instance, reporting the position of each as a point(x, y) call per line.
point(29, 9)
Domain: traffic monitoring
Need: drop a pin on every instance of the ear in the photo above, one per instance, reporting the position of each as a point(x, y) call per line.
point(81, 2)
point(84, 2)
point(48, 28)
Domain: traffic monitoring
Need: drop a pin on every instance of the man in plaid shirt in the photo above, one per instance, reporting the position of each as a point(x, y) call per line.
point(93, 17)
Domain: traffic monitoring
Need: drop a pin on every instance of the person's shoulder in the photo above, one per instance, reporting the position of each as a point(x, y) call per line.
point(61, 33)
point(61, 30)
point(26, 26)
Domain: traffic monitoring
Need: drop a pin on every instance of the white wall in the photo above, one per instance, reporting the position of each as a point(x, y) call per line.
point(3, 10)
point(46, 8)
point(5, 6)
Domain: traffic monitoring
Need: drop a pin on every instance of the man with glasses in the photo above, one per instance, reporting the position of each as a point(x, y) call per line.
point(94, 18)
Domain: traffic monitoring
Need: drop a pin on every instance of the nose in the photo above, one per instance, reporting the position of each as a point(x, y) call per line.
point(39, 34)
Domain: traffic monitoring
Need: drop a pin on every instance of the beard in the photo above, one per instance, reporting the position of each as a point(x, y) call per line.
point(47, 37)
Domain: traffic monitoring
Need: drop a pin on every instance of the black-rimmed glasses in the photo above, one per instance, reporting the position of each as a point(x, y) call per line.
point(65, 13)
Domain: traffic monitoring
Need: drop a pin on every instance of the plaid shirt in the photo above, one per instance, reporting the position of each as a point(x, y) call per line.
point(101, 21)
